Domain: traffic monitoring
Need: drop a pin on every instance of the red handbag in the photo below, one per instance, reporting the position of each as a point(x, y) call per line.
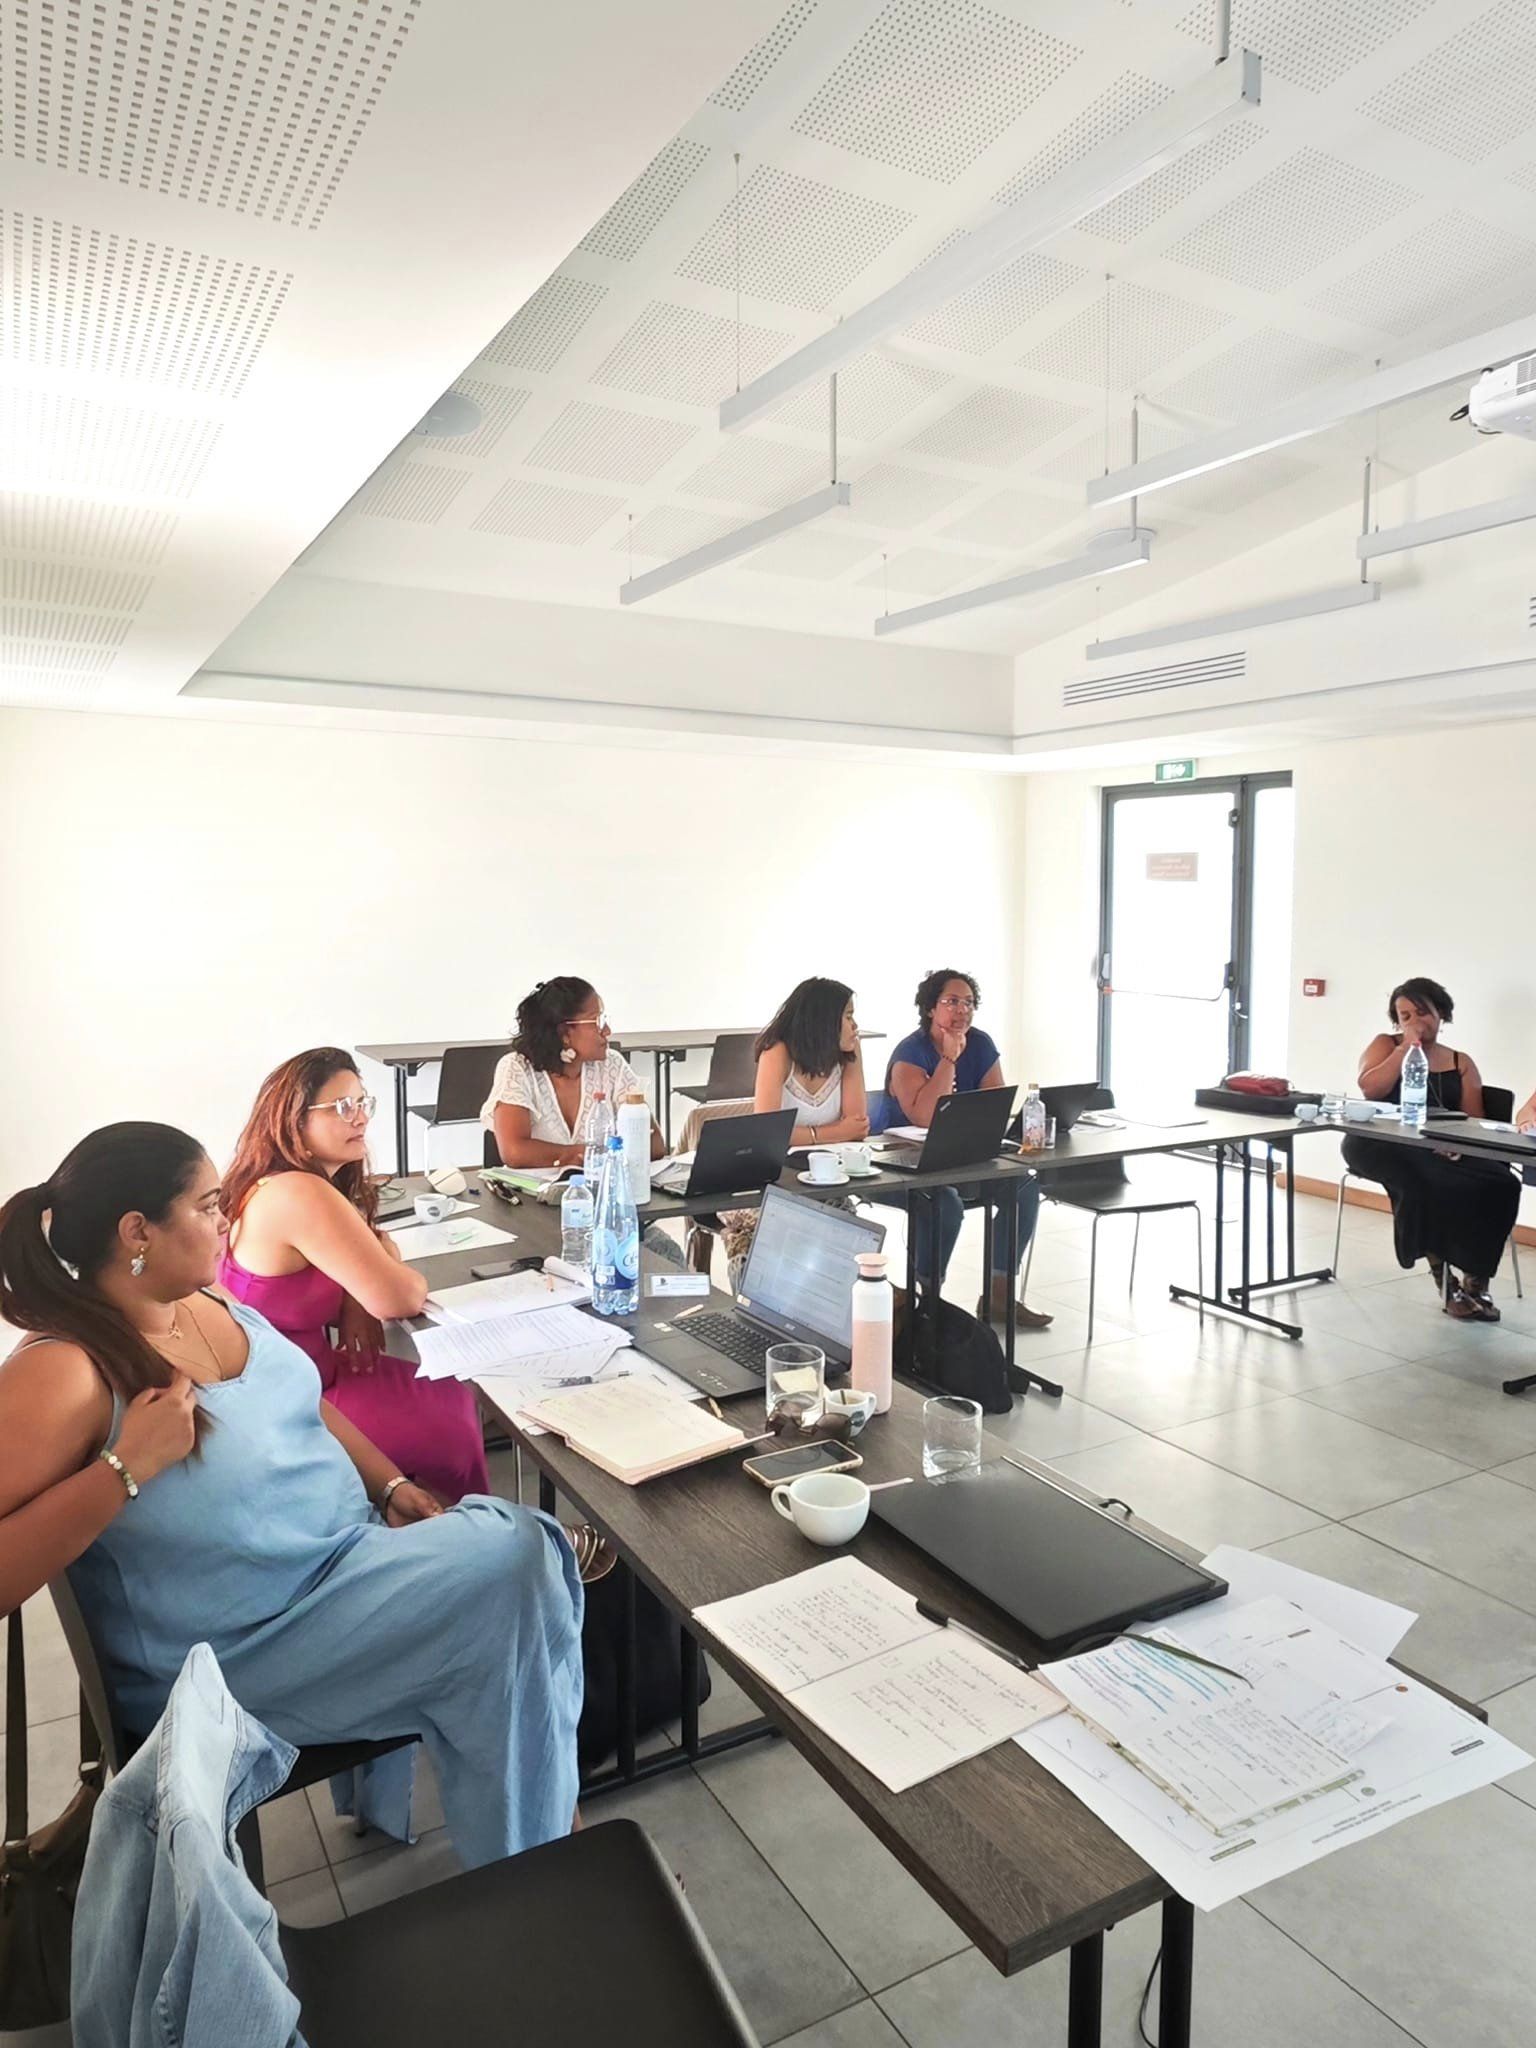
point(1257, 1084)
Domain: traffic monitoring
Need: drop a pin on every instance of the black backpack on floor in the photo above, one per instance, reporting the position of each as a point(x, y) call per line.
point(658, 1667)
point(953, 1352)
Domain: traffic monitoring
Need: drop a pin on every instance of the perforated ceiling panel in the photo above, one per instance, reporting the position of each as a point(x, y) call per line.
point(1224, 492)
point(802, 243)
point(816, 555)
point(1262, 370)
point(758, 64)
point(1129, 332)
point(258, 109)
point(625, 226)
point(544, 512)
point(1455, 264)
point(1008, 519)
point(1302, 42)
point(1110, 114)
point(1306, 210)
point(499, 406)
point(978, 319)
point(747, 471)
point(1474, 93)
point(73, 584)
point(417, 491)
point(891, 495)
point(667, 531)
point(74, 298)
point(600, 441)
point(77, 444)
point(929, 572)
point(1134, 212)
point(994, 428)
point(932, 83)
point(873, 394)
point(1525, 177)
point(695, 358)
point(539, 335)
point(94, 533)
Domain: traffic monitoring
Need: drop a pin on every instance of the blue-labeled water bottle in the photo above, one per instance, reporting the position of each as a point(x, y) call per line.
point(615, 1240)
point(1414, 1093)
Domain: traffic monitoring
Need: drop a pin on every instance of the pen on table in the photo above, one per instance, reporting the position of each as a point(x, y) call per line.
point(943, 1620)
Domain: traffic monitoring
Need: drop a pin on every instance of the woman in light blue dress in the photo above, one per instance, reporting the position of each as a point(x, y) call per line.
point(343, 1603)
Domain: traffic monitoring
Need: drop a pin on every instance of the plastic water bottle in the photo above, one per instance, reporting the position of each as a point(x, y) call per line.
point(1415, 1088)
point(1032, 1121)
point(600, 1129)
point(874, 1308)
point(634, 1125)
point(576, 1224)
point(615, 1241)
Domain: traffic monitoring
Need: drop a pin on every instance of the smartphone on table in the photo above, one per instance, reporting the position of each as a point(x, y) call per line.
point(776, 1466)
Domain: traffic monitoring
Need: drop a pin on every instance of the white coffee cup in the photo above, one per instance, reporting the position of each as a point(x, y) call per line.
point(850, 1402)
point(856, 1157)
point(446, 1180)
point(1360, 1112)
point(432, 1208)
point(827, 1507)
point(824, 1165)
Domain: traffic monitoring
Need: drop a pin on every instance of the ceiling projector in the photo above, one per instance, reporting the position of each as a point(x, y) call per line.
point(1503, 401)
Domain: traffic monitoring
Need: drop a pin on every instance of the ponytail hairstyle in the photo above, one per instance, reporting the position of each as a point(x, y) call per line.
point(542, 1015)
point(273, 1138)
point(56, 1238)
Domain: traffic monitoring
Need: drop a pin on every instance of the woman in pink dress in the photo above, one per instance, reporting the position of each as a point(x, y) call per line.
point(304, 1252)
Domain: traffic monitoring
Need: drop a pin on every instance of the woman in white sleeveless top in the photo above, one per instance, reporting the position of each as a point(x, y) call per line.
point(808, 1061)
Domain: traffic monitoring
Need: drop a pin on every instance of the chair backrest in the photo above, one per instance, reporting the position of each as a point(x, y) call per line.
point(881, 1106)
point(732, 1066)
point(706, 1112)
point(1499, 1104)
point(115, 1745)
point(465, 1081)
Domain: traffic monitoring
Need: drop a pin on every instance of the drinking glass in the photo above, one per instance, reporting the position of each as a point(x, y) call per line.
point(795, 1384)
point(951, 1436)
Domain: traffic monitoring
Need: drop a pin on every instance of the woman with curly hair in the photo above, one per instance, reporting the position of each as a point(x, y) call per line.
point(540, 1104)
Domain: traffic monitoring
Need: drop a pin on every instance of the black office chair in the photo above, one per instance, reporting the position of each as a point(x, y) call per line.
point(463, 1082)
point(732, 1070)
point(1102, 1189)
point(1499, 1107)
point(313, 1765)
point(582, 1943)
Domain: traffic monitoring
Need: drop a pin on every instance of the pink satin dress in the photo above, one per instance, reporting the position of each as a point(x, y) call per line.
point(430, 1428)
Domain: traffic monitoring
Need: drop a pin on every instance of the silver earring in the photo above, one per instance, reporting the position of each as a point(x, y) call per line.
point(567, 1054)
point(136, 1265)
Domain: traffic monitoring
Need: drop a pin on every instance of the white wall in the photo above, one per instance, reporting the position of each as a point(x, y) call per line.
point(183, 903)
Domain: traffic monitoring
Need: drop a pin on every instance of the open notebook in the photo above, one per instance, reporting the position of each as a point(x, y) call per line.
point(634, 1428)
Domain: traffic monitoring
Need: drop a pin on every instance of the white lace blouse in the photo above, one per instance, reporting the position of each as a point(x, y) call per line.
point(526, 1087)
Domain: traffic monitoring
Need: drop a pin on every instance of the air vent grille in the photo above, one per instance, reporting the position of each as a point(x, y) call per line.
point(1147, 682)
point(1531, 616)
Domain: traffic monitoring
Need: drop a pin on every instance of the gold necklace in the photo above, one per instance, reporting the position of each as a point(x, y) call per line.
point(207, 1345)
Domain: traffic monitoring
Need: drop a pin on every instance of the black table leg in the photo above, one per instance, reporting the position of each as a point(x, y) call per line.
point(627, 1715)
point(1290, 1279)
point(402, 1128)
point(690, 1700)
point(664, 1094)
point(1235, 1303)
point(546, 1493)
point(1176, 1991)
point(1085, 1994)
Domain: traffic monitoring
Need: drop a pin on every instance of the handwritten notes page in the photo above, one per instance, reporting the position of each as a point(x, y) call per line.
point(520, 1343)
point(903, 1696)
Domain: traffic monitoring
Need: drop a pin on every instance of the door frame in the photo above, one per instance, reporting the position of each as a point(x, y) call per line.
point(1238, 976)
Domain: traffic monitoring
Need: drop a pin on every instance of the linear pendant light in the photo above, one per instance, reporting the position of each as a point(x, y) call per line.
point(1316, 413)
point(1196, 111)
point(1306, 604)
point(1423, 533)
point(1129, 551)
point(742, 542)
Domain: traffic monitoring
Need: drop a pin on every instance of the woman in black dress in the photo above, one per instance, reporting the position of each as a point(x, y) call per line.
point(1455, 1212)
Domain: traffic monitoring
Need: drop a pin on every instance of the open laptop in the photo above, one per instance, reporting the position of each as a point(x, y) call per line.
point(797, 1283)
point(737, 1155)
point(966, 1130)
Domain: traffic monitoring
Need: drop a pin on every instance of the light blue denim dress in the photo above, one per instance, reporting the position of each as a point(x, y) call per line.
point(330, 1627)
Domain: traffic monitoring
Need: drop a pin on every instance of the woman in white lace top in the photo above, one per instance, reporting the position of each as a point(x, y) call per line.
point(540, 1104)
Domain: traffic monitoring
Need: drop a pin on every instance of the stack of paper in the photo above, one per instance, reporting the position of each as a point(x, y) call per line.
point(509, 1294)
point(634, 1429)
point(457, 1234)
point(558, 1341)
point(905, 1697)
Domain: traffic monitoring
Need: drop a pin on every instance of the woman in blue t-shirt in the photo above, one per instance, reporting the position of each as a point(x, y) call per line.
point(947, 1055)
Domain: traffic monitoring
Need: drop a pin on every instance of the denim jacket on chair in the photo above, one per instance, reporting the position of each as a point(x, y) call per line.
point(173, 1945)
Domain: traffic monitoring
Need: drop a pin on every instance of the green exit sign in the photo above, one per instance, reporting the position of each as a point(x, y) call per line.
point(1174, 771)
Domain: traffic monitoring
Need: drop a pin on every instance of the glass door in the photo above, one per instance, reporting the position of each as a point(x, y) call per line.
point(1194, 951)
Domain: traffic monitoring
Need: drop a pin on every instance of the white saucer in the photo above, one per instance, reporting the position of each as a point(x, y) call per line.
point(861, 1173)
point(811, 1181)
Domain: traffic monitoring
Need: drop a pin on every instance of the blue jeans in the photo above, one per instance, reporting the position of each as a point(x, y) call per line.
point(934, 1217)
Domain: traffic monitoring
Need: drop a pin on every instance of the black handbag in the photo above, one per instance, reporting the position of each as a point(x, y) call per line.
point(658, 1665)
point(954, 1352)
point(39, 1872)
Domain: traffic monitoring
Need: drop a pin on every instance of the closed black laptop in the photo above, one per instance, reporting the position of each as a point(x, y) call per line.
point(1068, 1572)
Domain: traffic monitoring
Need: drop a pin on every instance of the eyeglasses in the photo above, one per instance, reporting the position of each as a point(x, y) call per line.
point(350, 1107)
point(956, 1003)
point(599, 1018)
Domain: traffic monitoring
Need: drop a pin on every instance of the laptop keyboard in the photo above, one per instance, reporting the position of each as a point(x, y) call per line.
point(730, 1335)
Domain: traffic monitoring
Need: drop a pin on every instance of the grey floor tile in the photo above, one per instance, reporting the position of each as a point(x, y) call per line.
point(1522, 1471)
point(880, 1920)
point(290, 1841)
point(785, 1972)
point(1323, 1358)
point(1185, 1495)
point(308, 1901)
point(1155, 1382)
point(338, 1832)
point(1513, 1713)
point(53, 1767)
point(1481, 1427)
point(53, 1689)
point(858, 2026)
point(1066, 1337)
point(1325, 1461)
point(1047, 1427)
point(1480, 1529)
point(1483, 1355)
point(1463, 1638)
point(1147, 1310)
point(391, 1872)
point(1430, 1921)
point(1406, 1326)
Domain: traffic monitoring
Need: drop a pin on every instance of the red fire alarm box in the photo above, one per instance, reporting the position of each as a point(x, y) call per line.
point(1314, 985)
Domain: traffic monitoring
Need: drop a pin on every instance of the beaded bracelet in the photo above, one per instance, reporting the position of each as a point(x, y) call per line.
point(111, 1458)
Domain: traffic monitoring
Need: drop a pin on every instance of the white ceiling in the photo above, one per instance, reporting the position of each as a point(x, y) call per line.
point(1379, 202)
point(247, 243)
point(243, 245)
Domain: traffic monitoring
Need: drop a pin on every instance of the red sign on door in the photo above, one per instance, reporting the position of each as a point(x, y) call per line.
point(1314, 985)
